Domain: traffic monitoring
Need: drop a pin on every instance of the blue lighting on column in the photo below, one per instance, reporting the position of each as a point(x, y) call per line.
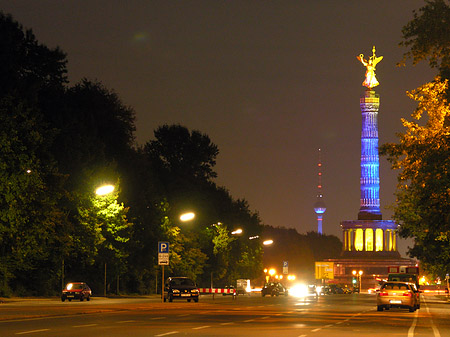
point(370, 164)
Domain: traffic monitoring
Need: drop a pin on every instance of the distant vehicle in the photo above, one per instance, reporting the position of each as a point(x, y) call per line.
point(398, 295)
point(404, 274)
point(333, 289)
point(243, 286)
point(232, 290)
point(76, 291)
point(305, 291)
point(180, 288)
point(274, 289)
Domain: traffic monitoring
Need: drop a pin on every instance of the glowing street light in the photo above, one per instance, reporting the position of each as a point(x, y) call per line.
point(267, 242)
point(359, 276)
point(105, 189)
point(237, 231)
point(187, 216)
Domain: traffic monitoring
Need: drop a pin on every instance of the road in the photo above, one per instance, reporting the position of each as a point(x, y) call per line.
point(331, 316)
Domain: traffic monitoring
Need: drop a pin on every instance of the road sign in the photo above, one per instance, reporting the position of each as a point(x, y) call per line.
point(324, 270)
point(163, 253)
point(285, 267)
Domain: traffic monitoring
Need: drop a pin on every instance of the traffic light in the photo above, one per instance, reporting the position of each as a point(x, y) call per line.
point(354, 281)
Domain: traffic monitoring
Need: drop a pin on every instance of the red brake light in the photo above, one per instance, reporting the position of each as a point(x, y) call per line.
point(384, 293)
point(407, 294)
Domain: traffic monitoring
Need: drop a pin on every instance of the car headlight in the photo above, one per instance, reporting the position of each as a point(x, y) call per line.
point(194, 291)
point(175, 291)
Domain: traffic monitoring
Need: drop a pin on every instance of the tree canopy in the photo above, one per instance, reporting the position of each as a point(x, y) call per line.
point(421, 155)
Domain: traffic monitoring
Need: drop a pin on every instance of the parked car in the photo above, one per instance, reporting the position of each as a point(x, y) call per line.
point(274, 289)
point(399, 295)
point(76, 291)
point(180, 288)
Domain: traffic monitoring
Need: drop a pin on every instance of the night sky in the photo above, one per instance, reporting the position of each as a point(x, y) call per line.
point(270, 82)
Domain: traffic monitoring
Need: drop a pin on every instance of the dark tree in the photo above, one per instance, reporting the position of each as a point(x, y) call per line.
point(182, 153)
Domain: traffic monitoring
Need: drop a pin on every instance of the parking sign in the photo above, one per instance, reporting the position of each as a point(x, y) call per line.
point(163, 253)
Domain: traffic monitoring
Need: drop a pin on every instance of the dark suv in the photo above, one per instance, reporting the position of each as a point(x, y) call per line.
point(180, 288)
point(76, 291)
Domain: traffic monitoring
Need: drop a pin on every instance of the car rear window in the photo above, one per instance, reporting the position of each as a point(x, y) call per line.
point(391, 286)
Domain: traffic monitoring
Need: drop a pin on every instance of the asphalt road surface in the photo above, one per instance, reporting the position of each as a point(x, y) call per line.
point(331, 316)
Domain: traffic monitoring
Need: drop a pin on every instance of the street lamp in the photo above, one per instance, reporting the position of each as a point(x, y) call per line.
point(267, 242)
point(105, 189)
point(237, 231)
point(187, 216)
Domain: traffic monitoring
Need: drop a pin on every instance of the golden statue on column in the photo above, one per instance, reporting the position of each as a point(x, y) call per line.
point(370, 80)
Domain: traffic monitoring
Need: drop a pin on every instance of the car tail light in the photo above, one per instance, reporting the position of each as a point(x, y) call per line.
point(407, 294)
point(383, 293)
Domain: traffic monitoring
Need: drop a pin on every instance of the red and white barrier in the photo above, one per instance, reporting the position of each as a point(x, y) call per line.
point(216, 291)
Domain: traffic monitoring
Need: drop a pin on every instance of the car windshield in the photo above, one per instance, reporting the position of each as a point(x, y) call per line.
point(182, 282)
point(74, 286)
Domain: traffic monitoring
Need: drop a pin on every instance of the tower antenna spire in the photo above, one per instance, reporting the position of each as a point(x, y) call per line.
point(319, 206)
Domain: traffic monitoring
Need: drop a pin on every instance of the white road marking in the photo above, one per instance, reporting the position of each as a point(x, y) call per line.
point(435, 330)
point(265, 317)
point(154, 318)
point(315, 330)
point(202, 327)
point(227, 323)
point(249, 320)
point(167, 334)
point(31, 331)
point(413, 325)
point(125, 322)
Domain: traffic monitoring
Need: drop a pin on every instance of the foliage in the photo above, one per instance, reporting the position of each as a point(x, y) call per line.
point(59, 142)
point(423, 191)
point(183, 153)
point(29, 219)
point(428, 35)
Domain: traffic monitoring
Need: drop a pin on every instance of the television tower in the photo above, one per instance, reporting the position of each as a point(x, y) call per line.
point(319, 206)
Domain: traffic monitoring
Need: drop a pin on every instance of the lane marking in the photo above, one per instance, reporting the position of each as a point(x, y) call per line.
point(167, 334)
point(31, 331)
point(131, 321)
point(413, 325)
point(201, 327)
point(433, 327)
point(83, 326)
point(315, 330)
point(154, 318)
point(265, 317)
point(227, 323)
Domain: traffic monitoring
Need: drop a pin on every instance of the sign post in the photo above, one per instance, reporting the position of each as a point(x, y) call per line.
point(163, 260)
point(285, 267)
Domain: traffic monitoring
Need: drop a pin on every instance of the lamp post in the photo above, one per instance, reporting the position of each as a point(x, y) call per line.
point(358, 275)
point(102, 191)
point(188, 216)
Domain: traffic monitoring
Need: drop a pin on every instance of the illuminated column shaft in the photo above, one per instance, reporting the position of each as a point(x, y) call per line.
point(319, 223)
point(370, 164)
